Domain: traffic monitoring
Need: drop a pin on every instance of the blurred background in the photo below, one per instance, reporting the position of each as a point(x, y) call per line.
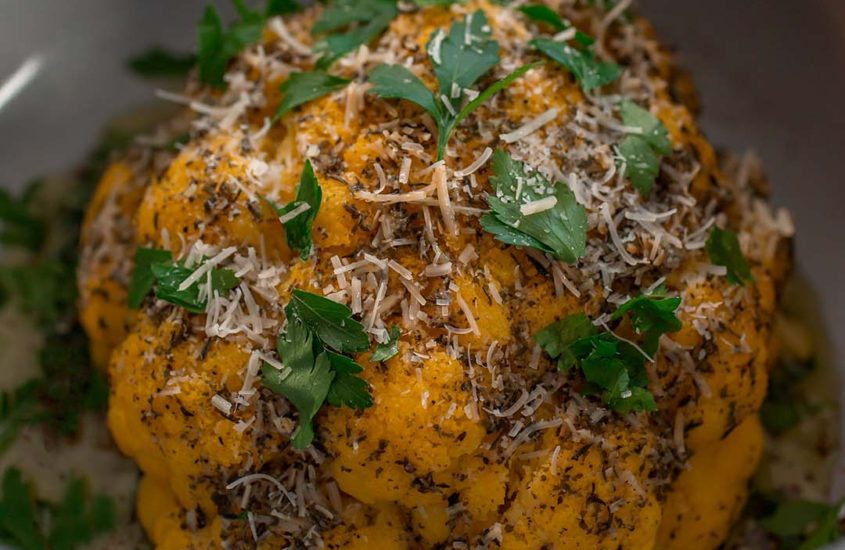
point(771, 74)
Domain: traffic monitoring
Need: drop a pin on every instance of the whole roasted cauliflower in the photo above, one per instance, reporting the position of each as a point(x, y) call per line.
point(430, 275)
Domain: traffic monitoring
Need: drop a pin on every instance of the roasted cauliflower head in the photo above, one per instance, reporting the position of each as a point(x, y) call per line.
point(437, 275)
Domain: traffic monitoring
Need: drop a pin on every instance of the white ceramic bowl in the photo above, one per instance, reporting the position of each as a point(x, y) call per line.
point(771, 74)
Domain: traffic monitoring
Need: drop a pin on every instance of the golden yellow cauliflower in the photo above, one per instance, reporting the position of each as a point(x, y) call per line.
point(474, 436)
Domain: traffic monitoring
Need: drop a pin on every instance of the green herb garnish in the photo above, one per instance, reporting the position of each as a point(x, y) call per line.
point(723, 248)
point(170, 276)
point(331, 322)
point(45, 290)
point(582, 62)
point(641, 150)
point(33, 524)
point(44, 287)
point(786, 405)
point(347, 388)
point(313, 372)
point(159, 62)
point(217, 47)
point(560, 229)
point(282, 7)
point(70, 385)
point(651, 316)
point(143, 277)
point(300, 88)
point(804, 525)
point(558, 339)
point(440, 3)
point(614, 368)
point(459, 58)
point(298, 229)
point(352, 24)
point(19, 226)
point(388, 349)
point(18, 408)
point(155, 268)
point(546, 15)
point(306, 384)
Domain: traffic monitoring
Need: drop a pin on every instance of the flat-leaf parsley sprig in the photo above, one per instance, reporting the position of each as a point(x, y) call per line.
point(30, 523)
point(528, 210)
point(613, 367)
point(724, 250)
point(459, 59)
point(314, 349)
point(298, 216)
point(646, 141)
point(348, 24)
point(156, 269)
point(217, 47)
point(580, 59)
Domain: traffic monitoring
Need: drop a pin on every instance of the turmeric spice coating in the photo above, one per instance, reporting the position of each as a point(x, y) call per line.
point(474, 438)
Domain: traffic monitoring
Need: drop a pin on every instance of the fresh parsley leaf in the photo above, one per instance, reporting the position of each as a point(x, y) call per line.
point(509, 235)
point(651, 316)
point(70, 384)
point(642, 164)
point(213, 53)
point(282, 7)
point(18, 523)
point(348, 389)
point(462, 56)
point(364, 20)
point(170, 276)
point(804, 525)
point(641, 150)
point(561, 229)
point(388, 349)
point(614, 368)
point(785, 405)
point(298, 230)
point(316, 374)
point(342, 13)
point(398, 82)
point(217, 47)
point(558, 338)
point(488, 92)
point(723, 248)
point(331, 322)
point(72, 523)
point(544, 14)
point(591, 72)
point(157, 62)
point(441, 3)
point(300, 88)
point(46, 290)
point(18, 408)
point(459, 57)
point(142, 276)
point(156, 268)
point(650, 128)
point(248, 28)
point(307, 382)
point(20, 227)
